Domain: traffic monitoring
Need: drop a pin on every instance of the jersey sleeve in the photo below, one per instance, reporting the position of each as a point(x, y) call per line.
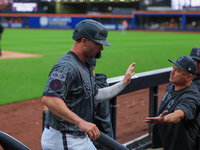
point(190, 107)
point(59, 81)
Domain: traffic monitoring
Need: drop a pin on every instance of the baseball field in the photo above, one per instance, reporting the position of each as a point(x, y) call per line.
point(25, 78)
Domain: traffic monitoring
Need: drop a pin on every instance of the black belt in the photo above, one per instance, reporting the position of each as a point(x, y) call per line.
point(76, 133)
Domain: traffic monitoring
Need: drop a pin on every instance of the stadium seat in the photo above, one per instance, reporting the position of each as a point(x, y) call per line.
point(9, 143)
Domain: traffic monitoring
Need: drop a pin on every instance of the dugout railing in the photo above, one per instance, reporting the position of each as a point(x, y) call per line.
point(150, 79)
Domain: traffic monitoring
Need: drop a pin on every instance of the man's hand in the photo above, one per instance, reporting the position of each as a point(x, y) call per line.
point(160, 119)
point(173, 117)
point(129, 74)
point(90, 128)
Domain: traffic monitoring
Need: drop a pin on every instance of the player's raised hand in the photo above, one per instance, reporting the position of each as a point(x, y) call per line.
point(129, 74)
point(91, 129)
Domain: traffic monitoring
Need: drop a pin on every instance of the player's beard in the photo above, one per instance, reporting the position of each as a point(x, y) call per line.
point(98, 55)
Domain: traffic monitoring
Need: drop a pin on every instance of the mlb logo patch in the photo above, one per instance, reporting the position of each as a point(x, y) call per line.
point(58, 75)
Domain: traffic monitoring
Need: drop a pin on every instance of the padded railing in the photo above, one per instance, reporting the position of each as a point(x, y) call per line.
point(8, 142)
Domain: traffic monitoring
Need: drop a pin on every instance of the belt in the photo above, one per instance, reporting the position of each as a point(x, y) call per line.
point(76, 133)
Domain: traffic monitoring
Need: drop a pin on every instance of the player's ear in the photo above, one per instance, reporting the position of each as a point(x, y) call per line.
point(83, 41)
point(189, 77)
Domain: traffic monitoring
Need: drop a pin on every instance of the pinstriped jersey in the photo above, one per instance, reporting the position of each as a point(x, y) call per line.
point(72, 81)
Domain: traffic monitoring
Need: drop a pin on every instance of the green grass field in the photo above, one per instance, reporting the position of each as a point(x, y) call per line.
point(25, 78)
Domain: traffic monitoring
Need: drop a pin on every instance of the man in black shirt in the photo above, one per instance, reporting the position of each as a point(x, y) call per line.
point(195, 55)
point(176, 125)
point(1, 31)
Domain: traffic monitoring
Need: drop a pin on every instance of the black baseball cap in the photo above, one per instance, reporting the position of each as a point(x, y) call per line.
point(195, 53)
point(185, 63)
point(93, 30)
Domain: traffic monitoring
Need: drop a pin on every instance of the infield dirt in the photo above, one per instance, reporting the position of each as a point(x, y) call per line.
point(12, 55)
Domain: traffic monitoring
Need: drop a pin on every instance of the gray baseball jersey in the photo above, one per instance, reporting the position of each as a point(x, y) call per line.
point(72, 81)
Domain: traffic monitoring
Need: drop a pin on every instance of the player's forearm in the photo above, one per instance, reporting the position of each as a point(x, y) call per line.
point(109, 92)
point(59, 108)
point(174, 117)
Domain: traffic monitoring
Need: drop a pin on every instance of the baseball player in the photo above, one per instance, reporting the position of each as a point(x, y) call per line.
point(71, 93)
point(195, 55)
point(176, 125)
point(1, 32)
point(124, 25)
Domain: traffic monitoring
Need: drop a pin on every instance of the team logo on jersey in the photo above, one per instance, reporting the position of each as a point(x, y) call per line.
point(55, 85)
point(87, 90)
point(166, 97)
point(170, 104)
point(58, 75)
